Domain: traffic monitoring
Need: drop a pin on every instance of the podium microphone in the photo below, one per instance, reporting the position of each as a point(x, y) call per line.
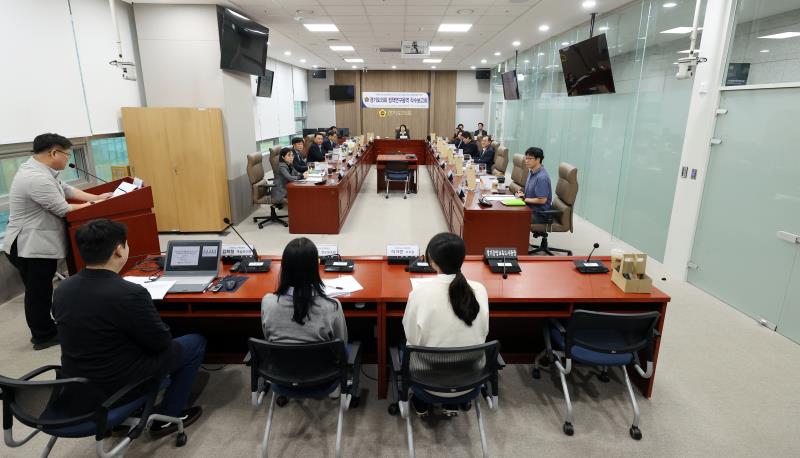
point(505, 274)
point(252, 248)
point(591, 267)
point(596, 246)
point(73, 166)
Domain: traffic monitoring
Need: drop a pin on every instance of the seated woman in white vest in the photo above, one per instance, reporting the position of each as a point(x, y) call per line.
point(402, 133)
point(449, 310)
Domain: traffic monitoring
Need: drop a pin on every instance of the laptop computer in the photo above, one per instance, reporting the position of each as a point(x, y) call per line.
point(192, 264)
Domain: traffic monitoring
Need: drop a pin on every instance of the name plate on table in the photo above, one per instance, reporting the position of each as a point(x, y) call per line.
point(351, 162)
point(327, 249)
point(402, 250)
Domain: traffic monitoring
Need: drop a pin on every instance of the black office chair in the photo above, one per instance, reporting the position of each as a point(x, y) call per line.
point(602, 340)
point(397, 171)
point(425, 371)
point(64, 408)
point(304, 371)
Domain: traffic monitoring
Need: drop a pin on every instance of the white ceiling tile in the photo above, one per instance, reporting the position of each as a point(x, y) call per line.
point(432, 21)
point(349, 19)
point(389, 20)
point(426, 10)
point(477, 10)
point(374, 10)
point(345, 10)
point(508, 10)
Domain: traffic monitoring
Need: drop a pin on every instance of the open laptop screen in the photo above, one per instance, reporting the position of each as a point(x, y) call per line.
point(193, 256)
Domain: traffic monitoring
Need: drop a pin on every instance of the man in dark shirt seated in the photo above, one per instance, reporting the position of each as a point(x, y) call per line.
point(316, 152)
point(468, 146)
point(480, 132)
point(486, 154)
point(538, 193)
point(300, 160)
point(111, 332)
point(330, 143)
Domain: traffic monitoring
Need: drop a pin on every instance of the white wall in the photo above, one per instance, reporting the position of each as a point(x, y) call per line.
point(321, 109)
point(40, 84)
point(471, 91)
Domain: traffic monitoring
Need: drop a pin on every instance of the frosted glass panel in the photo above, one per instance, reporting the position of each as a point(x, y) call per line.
point(752, 191)
point(789, 321)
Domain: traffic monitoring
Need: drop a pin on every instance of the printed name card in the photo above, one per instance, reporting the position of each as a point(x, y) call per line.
point(327, 249)
point(402, 250)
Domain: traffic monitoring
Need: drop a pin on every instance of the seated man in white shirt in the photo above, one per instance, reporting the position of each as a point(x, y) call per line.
point(448, 311)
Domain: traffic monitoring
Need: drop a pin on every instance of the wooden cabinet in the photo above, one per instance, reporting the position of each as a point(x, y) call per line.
point(180, 153)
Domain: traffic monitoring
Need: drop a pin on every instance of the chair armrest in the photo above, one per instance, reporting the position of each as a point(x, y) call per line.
point(40, 371)
point(101, 414)
point(656, 332)
point(247, 358)
point(558, 325)
point(127, 389)
point(394, 357)
point(500, 362)
point(552, 212)
point(354, 356)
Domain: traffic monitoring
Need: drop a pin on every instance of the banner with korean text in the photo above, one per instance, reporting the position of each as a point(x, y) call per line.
point(394, 99)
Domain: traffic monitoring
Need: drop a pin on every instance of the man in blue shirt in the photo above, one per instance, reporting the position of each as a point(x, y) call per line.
point(538, 194)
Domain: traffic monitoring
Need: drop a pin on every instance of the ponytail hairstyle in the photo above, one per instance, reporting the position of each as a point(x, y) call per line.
point(447, 251)
point(300, 270)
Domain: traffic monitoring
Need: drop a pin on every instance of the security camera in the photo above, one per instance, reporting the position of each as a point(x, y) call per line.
point(685, 70)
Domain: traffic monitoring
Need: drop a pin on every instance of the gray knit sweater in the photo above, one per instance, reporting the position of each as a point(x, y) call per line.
point(325, 321)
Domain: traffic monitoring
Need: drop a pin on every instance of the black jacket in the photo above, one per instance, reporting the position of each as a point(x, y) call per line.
point(328, 145)
point(316, 153)
point(470, 148)
point(482, 133)
point(110, 331)
point(300, 163)
point(486, 157)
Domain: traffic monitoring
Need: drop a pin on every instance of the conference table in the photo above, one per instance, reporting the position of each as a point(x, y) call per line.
point(323, 209)
point(547, 287)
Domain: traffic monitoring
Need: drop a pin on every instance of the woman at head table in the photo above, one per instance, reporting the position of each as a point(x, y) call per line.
point(402, 133)
point(284, 175)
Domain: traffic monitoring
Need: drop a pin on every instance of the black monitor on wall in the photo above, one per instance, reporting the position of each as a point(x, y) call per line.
point(587, 67)
point(342, 93)
point(242, 42)
point(264, 88)
point(319, 73)
point(483, 74)
point(510, 88)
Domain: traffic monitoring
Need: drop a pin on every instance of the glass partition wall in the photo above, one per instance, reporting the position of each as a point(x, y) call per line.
point(627, 145)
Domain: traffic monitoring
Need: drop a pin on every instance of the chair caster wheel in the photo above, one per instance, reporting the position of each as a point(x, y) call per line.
point(536, 373)
point(568, 429)
point(354, 402)
point(387, 197)
point(281, 401)
point(394, 409)
point(255, 219)
point(603, 376)
point(405, 197)
point(465, 407)
point(181, 440)
point(636, 433)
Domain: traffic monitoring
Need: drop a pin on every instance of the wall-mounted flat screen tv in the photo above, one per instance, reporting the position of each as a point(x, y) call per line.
point(242, 42)
point(483, 74)
point(587, 67)
point(510, 88)
point(264, 88)
point(319, 73)
point(342, 93)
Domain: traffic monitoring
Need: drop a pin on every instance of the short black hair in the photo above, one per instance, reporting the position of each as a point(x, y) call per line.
point(466, 134)
point(480, 124)
point(535, 152)
point(330, 132)
point(284, 152)
point(297, 140)
point(45, 142)
point(98, 239)
point(317, 133)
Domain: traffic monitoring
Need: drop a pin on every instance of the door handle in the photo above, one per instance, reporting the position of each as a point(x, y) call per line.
point(788, 237)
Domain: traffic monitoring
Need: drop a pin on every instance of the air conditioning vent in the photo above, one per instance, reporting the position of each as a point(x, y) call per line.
point(388, 49)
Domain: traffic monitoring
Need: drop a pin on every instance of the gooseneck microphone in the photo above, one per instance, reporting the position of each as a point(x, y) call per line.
point(252, 248)
point(505, 274)
point(596, 246)
point(73, 166)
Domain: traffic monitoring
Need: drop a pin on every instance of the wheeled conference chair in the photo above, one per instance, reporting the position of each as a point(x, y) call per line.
point(602, 340)
point(261, 187)
point(519, 174)
point(397, 171)
point(560, 213)
point(304, 371)
point(422, 370)
point(64, 408)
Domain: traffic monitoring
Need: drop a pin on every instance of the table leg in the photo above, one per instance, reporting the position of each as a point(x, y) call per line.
point(382, 350)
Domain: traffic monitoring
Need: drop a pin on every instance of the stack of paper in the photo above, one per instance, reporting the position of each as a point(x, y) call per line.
point(342, 285)
point(157, 289)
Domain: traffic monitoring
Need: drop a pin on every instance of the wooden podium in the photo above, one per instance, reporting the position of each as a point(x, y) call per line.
point(134, 209)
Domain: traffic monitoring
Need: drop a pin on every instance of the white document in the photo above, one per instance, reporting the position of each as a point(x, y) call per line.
point(342, 285)
point(311, 179)
point(157, 289)
point(500, 198)
point(325, 249)
point(124, 188)
point(416, 281)
point(138, 182)
point(185, 256)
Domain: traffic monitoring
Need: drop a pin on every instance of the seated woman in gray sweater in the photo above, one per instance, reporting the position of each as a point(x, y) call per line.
point(299, 311)
point(285, 174)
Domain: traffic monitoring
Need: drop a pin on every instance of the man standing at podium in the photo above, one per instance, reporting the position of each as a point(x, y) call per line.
point(36, 237)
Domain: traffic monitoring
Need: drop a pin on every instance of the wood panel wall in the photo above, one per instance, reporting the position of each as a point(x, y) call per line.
point(439, 118)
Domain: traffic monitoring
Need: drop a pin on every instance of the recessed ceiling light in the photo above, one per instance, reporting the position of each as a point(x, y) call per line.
point(354, 66)
point(544, 28)
point(526, 61)
point(302, 61)
point(540, 54)
point(472, 67)
point(603, 29)
point(431, 61)
point(440, 48)
point(764, 50)
point(321, 27)
point(515, 43)
point(314, 66)
point(670, 5)
point(354, 60)
point(454, 27)
point(433, 66)
point(483, 61)
point(465, 11)
point(589, 4)
point(497, 53)
point(680, 30)
point(287, 53)
point(341, 48)
point(781, 36)
point(394, 66)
